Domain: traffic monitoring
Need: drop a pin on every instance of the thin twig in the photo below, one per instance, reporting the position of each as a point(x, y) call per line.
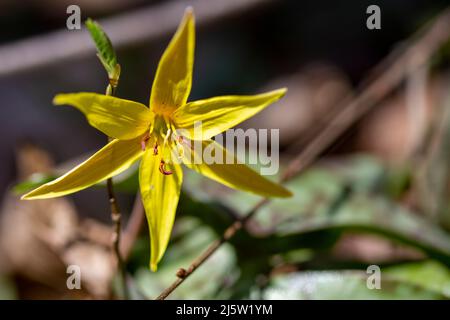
point(116, 218)
point(416, 103)
point(385, 78)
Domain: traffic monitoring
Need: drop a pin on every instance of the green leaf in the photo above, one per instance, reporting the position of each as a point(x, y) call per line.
point(34, 181)
point(416, 280)
point(105, 50)
point(429, 275)
point(342, 285)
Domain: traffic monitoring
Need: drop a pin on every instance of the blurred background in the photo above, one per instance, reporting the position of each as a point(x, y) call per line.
point(367, 113)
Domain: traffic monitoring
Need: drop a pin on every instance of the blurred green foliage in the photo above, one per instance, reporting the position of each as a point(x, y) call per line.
point(355, 195)
point(351, 196)
point(7, 288)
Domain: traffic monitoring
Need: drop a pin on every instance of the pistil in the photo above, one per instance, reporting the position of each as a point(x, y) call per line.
point(163, 170)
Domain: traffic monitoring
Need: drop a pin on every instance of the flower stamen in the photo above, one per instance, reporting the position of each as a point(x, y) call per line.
point(144, 141)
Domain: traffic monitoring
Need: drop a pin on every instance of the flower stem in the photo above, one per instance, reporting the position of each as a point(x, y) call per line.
point(116, 216)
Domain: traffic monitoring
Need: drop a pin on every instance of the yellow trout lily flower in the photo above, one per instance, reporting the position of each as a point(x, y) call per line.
point(151, 133)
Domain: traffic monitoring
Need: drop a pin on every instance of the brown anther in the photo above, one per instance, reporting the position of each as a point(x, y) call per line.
point(144, 141)
point(181, 273)
point(180, 139)
point(155, 149)
point(162, 169)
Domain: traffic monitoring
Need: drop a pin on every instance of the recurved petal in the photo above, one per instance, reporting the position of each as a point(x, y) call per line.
point(236, 175)
point(117, 118)
point(173, 79)
point(160, 193)
point(111, 160)
point(221, 113)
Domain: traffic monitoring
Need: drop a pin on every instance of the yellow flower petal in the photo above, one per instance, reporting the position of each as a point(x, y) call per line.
point(236, 176)
point(160, 194)
point(117, 118)
point(221, 113)
point(112, 159)
point(173, 78)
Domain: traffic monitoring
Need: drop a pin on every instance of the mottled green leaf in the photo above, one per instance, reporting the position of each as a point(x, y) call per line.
point(347, 196)
point(429, 275)
point(342, 285)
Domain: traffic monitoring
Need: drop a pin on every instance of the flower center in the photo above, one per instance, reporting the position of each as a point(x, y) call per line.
point(164, 142)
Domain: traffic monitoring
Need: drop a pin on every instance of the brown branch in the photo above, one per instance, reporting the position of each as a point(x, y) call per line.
point(382, 81)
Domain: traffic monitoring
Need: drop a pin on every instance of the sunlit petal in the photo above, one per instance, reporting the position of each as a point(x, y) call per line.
point(221, 113)
point(117, 118)
point(236, 176)
point(160, 193)
point(112, 159)
point(173, 78)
